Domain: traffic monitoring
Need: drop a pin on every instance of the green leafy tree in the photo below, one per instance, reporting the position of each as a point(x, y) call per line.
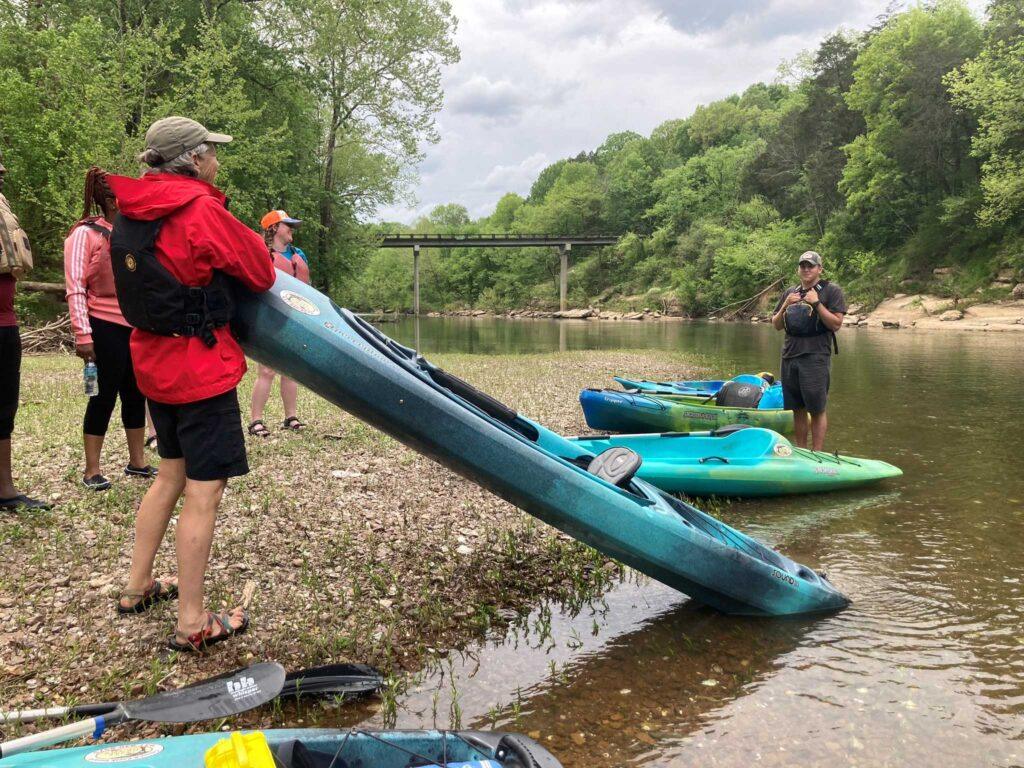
point(915, 151)
point(991, 87)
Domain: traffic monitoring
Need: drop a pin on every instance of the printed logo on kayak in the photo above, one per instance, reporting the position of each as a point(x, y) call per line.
point(698, 415)
point(832, 471)
point(242, 687)
point(783, 450)
point(299, 303)
point(124, 753)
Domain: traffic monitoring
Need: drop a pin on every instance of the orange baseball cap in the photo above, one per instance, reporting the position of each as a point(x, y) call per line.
point(278, 217)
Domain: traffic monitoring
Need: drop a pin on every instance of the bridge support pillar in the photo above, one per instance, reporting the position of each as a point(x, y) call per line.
point(563, 275)
point(416, 280)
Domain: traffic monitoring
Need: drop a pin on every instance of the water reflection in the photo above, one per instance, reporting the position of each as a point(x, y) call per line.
point(926, 666)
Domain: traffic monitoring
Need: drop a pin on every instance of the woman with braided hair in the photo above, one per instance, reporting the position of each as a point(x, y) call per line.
point(102, 334)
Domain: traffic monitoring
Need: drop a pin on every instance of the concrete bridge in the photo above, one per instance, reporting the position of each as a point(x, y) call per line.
point(562, 243)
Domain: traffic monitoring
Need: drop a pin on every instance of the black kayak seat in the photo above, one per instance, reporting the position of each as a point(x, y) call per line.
point(728, 429)
point(737, 394)
point(616, 465)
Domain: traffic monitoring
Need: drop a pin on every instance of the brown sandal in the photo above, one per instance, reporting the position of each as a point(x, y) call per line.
point(259, 429)
point(205, 637)
point(157, 593)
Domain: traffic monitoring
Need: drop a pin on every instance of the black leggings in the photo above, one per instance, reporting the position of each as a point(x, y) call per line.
point(10, 378)
point(116, 377)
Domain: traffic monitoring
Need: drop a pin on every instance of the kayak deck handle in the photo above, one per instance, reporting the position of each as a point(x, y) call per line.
point(713, 458)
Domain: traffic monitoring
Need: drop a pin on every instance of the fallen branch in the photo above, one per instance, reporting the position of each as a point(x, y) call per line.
point(54, 288)
point(745, 303)
point(55, 336)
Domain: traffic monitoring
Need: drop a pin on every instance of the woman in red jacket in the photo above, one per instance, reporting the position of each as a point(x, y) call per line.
point(189, 380)
point(102, 333)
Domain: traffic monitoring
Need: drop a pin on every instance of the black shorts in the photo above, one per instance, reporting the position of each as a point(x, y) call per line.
point(10, 377)
point(805, 382)
point(206, 433)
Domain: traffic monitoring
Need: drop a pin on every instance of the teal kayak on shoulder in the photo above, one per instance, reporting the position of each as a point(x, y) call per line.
point(618, 411)
point(312, 748)
point(737, 461)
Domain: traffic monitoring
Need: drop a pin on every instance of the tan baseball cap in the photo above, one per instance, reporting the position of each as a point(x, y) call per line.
point(812, 256)
point(173, 136)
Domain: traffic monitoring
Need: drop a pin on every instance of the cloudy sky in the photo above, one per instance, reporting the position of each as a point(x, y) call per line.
point(541, 80)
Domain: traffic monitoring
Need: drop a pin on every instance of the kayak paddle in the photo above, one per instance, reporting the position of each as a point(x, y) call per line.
point(220, 697)
point(327, 680)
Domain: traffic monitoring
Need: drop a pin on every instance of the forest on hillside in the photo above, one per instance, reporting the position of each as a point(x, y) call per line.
point(893, 151)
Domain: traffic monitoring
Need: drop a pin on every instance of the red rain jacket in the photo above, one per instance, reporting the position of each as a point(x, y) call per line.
point(198, 235)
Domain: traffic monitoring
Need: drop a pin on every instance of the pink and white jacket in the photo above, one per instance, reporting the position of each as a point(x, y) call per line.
point(89, 278)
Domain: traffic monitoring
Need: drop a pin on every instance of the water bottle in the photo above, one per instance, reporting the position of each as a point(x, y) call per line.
point(91, 377)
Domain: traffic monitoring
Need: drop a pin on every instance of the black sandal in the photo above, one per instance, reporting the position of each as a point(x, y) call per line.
point(292, 423)
point(21, 501)
point(157, 593)
point(259, 429)
point(151, 442)
point(204, 638)
point(148, 471)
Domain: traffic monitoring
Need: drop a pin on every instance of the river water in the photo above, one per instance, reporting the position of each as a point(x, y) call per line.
point(927, 665)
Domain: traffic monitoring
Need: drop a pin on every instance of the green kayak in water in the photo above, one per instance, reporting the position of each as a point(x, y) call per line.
point(738, 461)
point(641, 412)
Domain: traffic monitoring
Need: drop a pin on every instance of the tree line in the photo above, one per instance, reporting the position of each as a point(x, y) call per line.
point(329, 102)
point(891, 151)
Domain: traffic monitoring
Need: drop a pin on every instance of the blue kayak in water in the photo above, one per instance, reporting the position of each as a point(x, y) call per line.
point(771, 395)
point(302, 334)
point(310, 748)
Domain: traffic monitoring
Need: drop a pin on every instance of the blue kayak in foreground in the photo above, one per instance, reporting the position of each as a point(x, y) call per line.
point(299, 332)
point(313, 748)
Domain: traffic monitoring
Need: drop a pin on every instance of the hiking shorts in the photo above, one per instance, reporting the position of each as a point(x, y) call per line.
point(805, 382)
point(207, 434)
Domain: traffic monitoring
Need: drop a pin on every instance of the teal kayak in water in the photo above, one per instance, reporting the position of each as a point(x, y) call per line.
point(643, 412)
point(313, 748)
point(737, 461)
point(299, 332)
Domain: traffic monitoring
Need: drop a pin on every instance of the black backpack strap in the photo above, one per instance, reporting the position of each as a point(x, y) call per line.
point(96, 228)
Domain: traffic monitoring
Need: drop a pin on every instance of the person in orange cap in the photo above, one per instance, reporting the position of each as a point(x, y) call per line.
point(278, 232)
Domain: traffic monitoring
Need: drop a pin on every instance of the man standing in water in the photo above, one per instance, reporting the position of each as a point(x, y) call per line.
point(811, 313)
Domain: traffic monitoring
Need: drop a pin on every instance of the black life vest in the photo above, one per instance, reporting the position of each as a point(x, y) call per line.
point(801, 319)
point(152, 298)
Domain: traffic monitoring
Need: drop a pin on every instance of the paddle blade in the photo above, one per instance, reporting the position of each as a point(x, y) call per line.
point(221, 697)
point(333, 680)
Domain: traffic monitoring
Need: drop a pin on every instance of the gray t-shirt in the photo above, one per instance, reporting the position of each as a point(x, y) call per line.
point(831, 295)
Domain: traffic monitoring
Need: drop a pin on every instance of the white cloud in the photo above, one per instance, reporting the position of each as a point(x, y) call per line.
point(540, 80)
point(515, 178)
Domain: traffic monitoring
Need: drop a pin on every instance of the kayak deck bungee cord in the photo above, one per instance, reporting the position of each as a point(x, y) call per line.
point(301, 333)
